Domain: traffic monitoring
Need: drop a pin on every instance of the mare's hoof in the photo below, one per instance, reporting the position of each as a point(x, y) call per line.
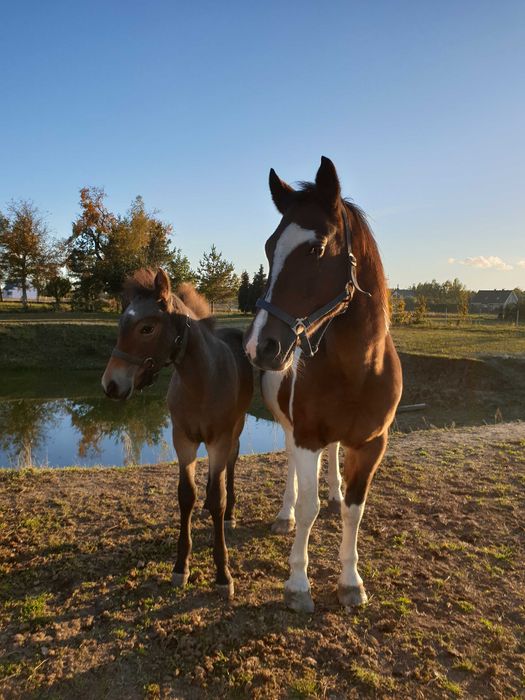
point(180, 580)
point(334, 506)
point(283, 526)
point(300, 601)
point(225, 590)
point(230, 524)
point(351, 596)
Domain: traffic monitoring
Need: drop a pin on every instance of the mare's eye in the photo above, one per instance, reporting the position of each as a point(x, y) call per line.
point(147, 330)
point(317, 250)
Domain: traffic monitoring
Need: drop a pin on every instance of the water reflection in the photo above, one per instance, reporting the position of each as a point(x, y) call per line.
point(95, 431)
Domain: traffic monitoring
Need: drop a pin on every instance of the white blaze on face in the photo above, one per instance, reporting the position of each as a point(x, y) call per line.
point(292, 237)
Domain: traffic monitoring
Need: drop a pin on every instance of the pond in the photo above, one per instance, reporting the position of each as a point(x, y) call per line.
point(88, 430)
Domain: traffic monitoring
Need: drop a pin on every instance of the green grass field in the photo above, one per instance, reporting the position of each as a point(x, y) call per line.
point(83, 341)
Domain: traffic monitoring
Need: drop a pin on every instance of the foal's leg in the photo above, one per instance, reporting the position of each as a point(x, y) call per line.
point(335, 497)
point(229, 516)
point(360, 466)
point(218, 455)
point(285, 520)
point(297, 588)
point(186, 454)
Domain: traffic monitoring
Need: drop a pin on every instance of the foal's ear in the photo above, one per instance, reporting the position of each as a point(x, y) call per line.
point(162, 286)
point(327, 184)
point(282, 193)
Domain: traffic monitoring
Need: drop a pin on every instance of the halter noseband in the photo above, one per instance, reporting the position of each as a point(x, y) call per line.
point(179, 350)
point(299, 326)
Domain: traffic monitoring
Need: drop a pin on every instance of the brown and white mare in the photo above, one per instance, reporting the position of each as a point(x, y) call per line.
point(208, 396)
point(332, 373)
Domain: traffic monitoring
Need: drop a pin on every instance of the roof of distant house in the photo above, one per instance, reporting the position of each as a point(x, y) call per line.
point(404, 293)
point(491, 296)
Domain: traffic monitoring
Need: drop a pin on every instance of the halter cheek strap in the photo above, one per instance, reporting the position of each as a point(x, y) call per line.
point(176, 356)
point(300, 326)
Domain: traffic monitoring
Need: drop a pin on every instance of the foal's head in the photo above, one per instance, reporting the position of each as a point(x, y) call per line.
point(309, 265)
point(148, 329)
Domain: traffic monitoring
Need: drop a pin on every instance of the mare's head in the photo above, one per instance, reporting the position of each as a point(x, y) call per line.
point(148, 329)
point(309, 266)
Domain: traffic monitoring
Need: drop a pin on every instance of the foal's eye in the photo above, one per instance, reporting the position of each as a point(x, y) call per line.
point(317, 250)
point(147, 330)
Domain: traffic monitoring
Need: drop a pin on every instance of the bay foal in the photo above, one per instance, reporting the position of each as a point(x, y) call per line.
point(331, 372)
point(208, 396)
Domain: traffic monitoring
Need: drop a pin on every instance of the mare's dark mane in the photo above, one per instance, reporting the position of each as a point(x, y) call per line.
point(363, 241)
point(142, 284)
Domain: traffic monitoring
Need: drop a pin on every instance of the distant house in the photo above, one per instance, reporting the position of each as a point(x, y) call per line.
point(406, 294)
point(494, 300)
point(11, 293)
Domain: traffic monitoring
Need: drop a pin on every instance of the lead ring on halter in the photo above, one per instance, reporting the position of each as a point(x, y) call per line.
point(299, 326)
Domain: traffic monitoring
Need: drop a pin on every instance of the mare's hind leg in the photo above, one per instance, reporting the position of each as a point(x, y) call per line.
point(229, 515)
point(285, 520)
point(186, 454)
point(218, 454)
point(359, 468)
point(335, 497)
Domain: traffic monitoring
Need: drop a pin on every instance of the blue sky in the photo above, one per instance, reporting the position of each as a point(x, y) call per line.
point(419, 104)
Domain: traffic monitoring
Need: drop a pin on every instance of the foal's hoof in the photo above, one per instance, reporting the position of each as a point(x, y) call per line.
point(180, 580)
point(352, 596)
point(230, 524)
point(225, 590)
point(300, 601)
point(334, 506)
point(282, 526)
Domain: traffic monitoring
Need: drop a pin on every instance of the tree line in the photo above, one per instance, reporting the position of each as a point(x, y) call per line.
point(91, 264)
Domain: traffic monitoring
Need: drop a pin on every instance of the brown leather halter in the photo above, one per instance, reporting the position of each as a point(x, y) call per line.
point(176, 356)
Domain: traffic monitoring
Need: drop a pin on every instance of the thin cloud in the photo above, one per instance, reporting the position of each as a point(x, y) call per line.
point(486, 263)
point(521, 264)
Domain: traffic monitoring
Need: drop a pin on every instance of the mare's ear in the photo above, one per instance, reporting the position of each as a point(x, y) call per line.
point(327, 184)
point(163, 287)
point(282, 193)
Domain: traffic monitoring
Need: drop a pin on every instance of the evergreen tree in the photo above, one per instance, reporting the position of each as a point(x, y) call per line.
point(217, 279)
point(257, 288)
point(243, 297)
point(179, 269)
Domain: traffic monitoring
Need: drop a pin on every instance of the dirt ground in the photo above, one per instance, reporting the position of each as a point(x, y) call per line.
point(87, 609)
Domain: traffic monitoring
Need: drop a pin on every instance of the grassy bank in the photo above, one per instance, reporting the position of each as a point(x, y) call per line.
point(87, 609)
point(84, 342)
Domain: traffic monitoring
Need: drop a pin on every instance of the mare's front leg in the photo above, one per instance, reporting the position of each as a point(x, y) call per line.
point(285, 520)
point(218, 455)
point(297, 589)
point(359, 468)
point(186, 454)
point(333, 477)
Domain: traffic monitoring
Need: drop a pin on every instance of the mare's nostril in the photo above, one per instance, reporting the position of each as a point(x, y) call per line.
point(111, 389)
point(270, 348)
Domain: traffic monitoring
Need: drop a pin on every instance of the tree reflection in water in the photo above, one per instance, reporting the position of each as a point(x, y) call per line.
point(133, 423)
point(24, 425)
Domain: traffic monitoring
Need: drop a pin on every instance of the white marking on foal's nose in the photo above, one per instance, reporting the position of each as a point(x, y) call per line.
point(292, 237)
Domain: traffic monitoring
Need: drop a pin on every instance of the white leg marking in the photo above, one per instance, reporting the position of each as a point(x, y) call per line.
point(306, 510)
point(348, 552)
point(333, 476)
point(287, 511)
point(292, 237)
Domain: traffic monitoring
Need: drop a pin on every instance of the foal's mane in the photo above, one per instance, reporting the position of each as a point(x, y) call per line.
point(142, 284)
point(363, 242)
